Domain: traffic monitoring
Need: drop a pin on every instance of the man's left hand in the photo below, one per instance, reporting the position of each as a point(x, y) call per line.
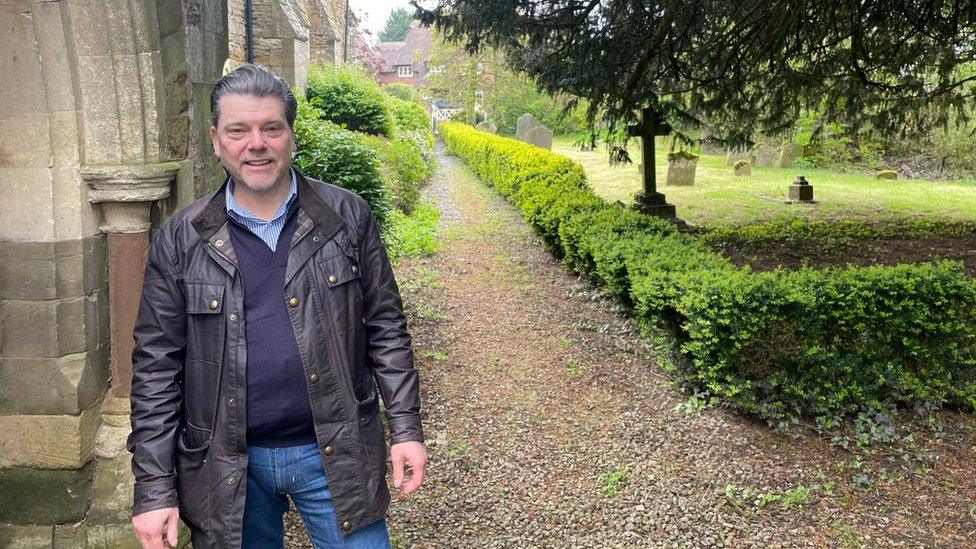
point(413, 456)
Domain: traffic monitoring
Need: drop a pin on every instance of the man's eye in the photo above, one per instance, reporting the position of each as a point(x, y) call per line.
point(273, 129)
point(235, 131)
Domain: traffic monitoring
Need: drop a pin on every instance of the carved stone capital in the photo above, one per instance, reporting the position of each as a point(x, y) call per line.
point(126, 193)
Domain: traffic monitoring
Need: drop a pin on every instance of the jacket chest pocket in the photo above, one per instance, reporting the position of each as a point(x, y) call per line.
point(339, 286)
point(205, 332)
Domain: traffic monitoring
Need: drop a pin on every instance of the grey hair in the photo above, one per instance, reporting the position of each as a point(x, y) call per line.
point(257, 81)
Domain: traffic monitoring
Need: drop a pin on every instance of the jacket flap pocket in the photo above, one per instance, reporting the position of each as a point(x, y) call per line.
point(339, 270)
point(204, 298)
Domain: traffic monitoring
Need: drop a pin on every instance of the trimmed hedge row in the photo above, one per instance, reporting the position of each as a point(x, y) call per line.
point(776, 344)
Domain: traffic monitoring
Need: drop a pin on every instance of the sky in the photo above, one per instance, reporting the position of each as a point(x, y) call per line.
point(374, 13)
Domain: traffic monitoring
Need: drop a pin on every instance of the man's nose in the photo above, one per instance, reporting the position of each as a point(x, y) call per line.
point(255, 140)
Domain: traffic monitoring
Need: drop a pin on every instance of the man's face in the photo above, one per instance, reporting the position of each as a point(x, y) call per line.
point(253, 140)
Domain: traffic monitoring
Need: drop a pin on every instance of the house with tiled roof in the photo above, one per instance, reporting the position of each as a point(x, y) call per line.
point(407, 62)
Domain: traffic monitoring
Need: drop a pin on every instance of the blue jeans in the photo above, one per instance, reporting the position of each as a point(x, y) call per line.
point(273, 475)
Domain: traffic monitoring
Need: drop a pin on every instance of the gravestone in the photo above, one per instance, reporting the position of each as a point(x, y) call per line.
point(801, 190)
point(789, 153)
point(742, 168)
point(487, 126)
point(735, 156)
point(887, 174)
point(541, 137)
point(522, 126)
point(681, 169)
point(649, 201)
point(766, 155)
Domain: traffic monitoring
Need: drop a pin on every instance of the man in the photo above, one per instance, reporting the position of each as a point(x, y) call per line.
point(268, 310)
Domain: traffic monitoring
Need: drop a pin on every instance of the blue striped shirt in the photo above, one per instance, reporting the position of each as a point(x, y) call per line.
point(270, 230)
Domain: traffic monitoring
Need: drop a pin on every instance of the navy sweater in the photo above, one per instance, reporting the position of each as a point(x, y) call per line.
point(278, 410)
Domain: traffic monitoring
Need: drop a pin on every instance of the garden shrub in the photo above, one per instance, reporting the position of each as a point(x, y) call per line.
point(349, 97)
point(412, 235)
point(403, 167)
point(338, 156)
point(404, 92)
point(820, 343)
point(410, 116)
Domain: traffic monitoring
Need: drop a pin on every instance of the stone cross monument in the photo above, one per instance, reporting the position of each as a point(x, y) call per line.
point(650, 201)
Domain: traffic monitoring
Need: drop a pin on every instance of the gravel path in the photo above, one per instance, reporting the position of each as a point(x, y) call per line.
point(550, 425)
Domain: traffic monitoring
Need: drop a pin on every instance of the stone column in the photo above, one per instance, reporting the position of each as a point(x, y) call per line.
point(125, 195)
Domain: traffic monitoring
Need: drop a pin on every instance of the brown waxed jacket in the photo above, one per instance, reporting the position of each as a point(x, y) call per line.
point(188, 386)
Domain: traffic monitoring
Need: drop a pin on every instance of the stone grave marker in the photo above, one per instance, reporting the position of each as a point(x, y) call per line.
point(735, 156)
point(541, 137)
point(886, 174)
point(789, 153)
point(801, 190)
point(766, 155)
point(522, 126)
point(487, 126)
point(742, 168)
point(681, 168)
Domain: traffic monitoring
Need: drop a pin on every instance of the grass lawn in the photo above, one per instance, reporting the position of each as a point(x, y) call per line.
point(720, 198)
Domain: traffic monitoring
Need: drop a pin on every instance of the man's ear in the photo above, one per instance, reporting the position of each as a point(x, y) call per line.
point(213, 140)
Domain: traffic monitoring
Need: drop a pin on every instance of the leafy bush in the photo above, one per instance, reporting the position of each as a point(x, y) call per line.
point(410, 116)
point(404, 169)
point(349, 97)
point(404, 92)
point(775, 344)
point(412, 235)
point(330, 153)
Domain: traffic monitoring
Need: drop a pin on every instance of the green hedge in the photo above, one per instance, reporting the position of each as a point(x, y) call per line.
point(330, 153)
point(775, 344)
point(349, 97)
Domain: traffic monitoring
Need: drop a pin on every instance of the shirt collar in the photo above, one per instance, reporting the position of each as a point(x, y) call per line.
point(239, 212)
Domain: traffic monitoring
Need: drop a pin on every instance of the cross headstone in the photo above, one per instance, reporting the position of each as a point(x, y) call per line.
point(650, 201)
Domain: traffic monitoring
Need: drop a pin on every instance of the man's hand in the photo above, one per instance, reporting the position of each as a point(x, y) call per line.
point(149, 527)
point(414, 456)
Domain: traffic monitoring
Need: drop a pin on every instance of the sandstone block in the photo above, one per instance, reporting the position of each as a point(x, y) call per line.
point(48, 442)
point(44, 496)
point(22, 186)
point(111, 493)
point(71, 384)
point(25, 140)
point(15, 536)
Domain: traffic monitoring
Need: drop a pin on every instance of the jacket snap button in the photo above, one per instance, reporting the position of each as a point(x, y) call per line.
point(314, 378)
point(328, 451)
point(230, 480)
point(315, 239)
point(233, 317)
point(333, 279)
point(219, 242)
point(293, 302)
point(346, 526)
point(214, 304)
point(355, 269)
point(230, 401)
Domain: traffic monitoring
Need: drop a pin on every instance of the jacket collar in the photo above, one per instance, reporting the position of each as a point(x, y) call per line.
point(214, 214)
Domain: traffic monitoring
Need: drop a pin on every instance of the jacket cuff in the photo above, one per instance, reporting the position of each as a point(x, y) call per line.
point(152, 495)
point(406, 430)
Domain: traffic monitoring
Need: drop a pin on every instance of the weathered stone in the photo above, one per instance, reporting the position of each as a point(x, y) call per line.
point(111, 493)
point(801, 190)
point(487, 126)
point(742, 168)
point(22, 86)
point(734, 156)
point(681, 169)
point(522, 126)
point(126, 193)
point(70, 536)
point(766, 155)
point(116, 410)
point(71, 384)
point(55, 54)
point(48, 442)
point(541, 137)
point(26, 186)
point(36, 329)
point(44, 496)
point(15, 536)
point(25, 141)
point(887, 174)
point(788, 154)
point(64, 138)
point(127, 255)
